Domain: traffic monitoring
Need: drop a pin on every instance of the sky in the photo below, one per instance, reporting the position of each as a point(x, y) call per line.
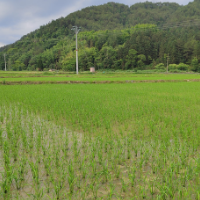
point(20, 17)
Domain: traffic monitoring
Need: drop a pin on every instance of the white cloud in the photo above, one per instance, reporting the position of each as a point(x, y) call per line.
point(2, 44)
point(4, 10)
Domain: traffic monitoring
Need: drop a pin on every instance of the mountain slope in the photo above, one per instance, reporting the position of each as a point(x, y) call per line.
point(108, 39)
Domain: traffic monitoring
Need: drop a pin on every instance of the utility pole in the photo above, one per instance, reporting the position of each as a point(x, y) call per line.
point(5, 60)
point(167, 62)
point(76, 29)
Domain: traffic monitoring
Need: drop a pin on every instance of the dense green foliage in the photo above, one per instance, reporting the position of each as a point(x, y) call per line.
point(114, 36)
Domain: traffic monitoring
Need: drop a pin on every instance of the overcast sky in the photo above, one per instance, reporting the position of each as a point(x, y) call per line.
point(19, 17)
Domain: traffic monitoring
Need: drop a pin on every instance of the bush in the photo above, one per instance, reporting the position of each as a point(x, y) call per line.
point(183, 67)
point(173, 67)
point(160, 66)
point(195, 65)
point(68, 67)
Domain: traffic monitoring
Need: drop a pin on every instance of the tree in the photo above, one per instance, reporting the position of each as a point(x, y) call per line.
point(40, 64)
point(131, 59)
point(195, 65)
point(140, 62)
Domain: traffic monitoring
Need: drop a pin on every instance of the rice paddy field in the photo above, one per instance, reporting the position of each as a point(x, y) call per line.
point(100, 77)
point(101, 141)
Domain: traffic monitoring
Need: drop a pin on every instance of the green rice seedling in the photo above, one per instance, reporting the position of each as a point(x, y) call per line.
point(83, 161)
point(19, 172)
point(124, 185)
point(135, 150)
point(109, 155)
point(57, 158)
point(94, 167)
point(71, 177)
point(197, 193)
point(39, 193)
point(75, 142)
point(76, 153)
point(151, 188)
point(1, 137)
point(9, 131)
point(184, 179)
point(35, 172)
point(66, 142)
point(44, 150)
point(106, 146)
point(128, 153)
point(57, 188)
point(84, 192)
point(180, 194)
point(7, 178)
point(62, 174)
point(84, 171)
point(142, 192)
point(94, 186)
point(132, 175)
point(1, 118)
point(100, 156)
point(84, 142)
point(18, 177)
point(15, 151)
point(78, 182)
point(111, 191)
point(47, 164)
point(185, 193)
point(154, 168)
point(5, 186)
point(24, 140)
point(6, 155)
point(117, 171)
point(105, 171)
point(31, 140)
point(93, 152)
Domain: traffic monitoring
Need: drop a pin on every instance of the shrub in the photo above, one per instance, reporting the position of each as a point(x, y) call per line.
point(183, 67)
point(173, 67)
point(195, 65)
point(160, 66)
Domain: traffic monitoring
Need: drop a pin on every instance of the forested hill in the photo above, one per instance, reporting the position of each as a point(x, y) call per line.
point(113, 36)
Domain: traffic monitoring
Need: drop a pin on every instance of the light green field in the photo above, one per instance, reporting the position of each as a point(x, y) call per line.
point(87, 77)
point(100, 141)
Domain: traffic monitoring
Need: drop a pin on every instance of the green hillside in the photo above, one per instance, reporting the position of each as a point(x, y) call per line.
point(113, 36)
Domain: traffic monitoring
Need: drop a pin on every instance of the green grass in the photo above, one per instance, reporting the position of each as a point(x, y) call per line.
point(100, 141)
